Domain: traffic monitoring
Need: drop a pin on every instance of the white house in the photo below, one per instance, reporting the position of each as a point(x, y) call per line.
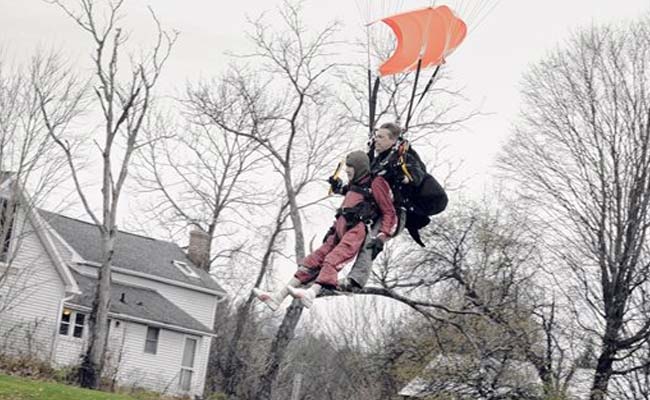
point(162, 306)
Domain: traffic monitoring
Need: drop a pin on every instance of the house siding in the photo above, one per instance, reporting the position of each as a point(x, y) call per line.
point(32, 295)
point(130, 366)
point(202, 357)
point(70, 349)
point(137, 369)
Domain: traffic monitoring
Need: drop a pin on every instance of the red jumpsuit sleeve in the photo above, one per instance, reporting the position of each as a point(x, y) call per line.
point(384, 198)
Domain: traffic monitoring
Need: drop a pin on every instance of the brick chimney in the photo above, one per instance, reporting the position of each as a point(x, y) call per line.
point(199, 249)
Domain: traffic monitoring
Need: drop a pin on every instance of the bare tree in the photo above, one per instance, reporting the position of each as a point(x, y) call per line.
point(122, 96)
point(635, 385)
point(493, 262)
point(205, 177)
point(234, 366)
point(291, 117)
point(476, 295)
point(581, 153)
point(201, 177)
point(25, 147)
point(29, 170)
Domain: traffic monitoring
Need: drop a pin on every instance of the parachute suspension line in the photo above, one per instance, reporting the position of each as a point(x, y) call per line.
point(425, 44)
point(365, 12)
point(415, 86)
point(474, 12)
point(427, 87)
point(372, 94)
point(412, 107)
point(369, 99)
point(368, 45)
point(480, 19)
point(371, 115)
point(373, 106)
point(371, 111)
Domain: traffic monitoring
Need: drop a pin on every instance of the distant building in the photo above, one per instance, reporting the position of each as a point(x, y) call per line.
point(462, 377)
point(162, 306)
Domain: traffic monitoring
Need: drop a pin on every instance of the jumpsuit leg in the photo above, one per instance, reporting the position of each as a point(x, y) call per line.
point(312, 263)
point(345, 250)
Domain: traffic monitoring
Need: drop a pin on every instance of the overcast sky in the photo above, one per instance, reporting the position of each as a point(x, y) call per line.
point(489, 64)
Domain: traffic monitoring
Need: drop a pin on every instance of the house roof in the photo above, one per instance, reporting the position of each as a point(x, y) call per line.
point(462, 375)
point(137, 302)
point(456, 373)
point(133, 252)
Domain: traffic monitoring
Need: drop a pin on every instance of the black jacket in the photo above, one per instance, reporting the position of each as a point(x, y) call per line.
point(387, 164)
point(421, 198)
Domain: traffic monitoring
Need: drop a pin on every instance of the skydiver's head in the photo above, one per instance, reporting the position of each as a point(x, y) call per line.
point(386, 136)
point(357, 165)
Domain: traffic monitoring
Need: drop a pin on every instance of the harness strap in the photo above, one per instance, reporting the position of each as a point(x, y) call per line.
point(366, 191)
point(365, 211)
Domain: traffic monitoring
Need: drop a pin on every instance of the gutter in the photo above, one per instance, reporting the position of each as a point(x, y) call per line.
point(168, 281)
point(42, 230)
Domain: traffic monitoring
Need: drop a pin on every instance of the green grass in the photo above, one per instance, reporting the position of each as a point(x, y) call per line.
point(12, 388)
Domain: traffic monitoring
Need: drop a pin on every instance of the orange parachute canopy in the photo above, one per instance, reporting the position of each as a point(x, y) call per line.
point(430, 33)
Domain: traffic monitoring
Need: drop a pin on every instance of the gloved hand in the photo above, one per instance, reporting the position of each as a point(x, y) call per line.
point(336, 184)
point(376, 245)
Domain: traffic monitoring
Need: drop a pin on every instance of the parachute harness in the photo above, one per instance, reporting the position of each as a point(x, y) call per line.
point(403, 148)
point(366, 211)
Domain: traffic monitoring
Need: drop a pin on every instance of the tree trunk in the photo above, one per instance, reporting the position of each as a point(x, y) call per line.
point(601, 378)
point(294, 212)
point(278, 348)
point(294, 312)
point(233, 368)
point(93, 363)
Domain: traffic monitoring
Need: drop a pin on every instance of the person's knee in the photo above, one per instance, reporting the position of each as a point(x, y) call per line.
point(305, 274)
point(307, 269)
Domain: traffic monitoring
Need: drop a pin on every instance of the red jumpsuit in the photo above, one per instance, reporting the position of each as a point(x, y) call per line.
point(342, 246)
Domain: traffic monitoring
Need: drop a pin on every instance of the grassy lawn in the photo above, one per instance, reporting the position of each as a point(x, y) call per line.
point(12, 388)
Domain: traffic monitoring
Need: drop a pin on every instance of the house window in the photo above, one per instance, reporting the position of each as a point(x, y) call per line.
point(151, 343)
point(64, 328)
point(72, 323)
point(187, 364)
point(79, 325)
point(185, 269)
point(6, 227)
